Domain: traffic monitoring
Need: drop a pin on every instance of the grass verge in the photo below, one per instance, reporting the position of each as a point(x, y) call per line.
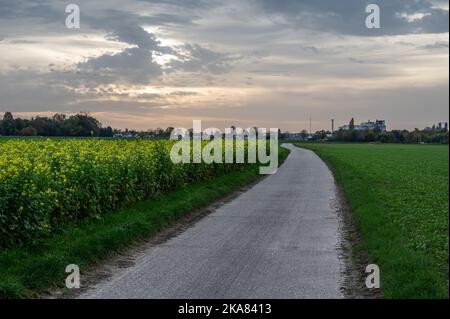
point(28, 269)
point(398, 195)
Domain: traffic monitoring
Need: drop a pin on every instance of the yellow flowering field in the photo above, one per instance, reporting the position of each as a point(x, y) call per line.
point(45, 183)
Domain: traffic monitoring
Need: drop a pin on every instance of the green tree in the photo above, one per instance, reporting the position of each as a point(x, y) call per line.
point(106, 132)
point(28, 131)
point(352, 124)
point(304, 134)
point(20, 124)
point(8, 125)
point(82, 125)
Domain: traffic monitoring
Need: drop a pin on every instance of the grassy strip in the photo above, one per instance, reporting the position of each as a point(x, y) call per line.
point(26, 270)
point(398, 195)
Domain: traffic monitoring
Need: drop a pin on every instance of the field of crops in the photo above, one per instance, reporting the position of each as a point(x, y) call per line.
point(46, 183)
point(399, 197)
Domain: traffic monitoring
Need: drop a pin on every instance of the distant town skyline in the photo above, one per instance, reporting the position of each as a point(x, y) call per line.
point(333, 127)
point(143, 64)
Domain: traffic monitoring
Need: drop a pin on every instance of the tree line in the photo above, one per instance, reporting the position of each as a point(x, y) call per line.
point(433, 135)
point(84, 125)
point(79, 125)
point(428, 136)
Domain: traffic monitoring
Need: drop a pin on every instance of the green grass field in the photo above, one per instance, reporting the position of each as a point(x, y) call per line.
point(398, 195)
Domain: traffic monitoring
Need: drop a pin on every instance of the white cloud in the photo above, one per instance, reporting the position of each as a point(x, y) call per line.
point(413, 17)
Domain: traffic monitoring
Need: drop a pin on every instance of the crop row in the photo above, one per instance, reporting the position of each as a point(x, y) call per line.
point(47, 183)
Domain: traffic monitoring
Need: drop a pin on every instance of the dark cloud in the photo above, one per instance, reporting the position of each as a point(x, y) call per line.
point(195, 4)
point(184, 93)
point(136, 35)
point(137, 65)
point(133, 65)
point(405, 43)
point(200, 59)
point(310, 49)
point(127, 27)
point(360, 61)
point(349, 16)
point(436, 46)
point(28, 91)
point(35, 11)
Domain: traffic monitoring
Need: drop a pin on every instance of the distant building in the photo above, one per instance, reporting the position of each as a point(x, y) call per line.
point(294, 136)
point(126, 135)
point(439, 127)
point(443, 126)
point(369, 125)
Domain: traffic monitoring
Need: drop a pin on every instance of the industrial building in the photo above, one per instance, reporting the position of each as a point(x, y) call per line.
point(369, 125)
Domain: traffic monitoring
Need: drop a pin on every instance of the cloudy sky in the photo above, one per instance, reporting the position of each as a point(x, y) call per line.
point(270, 63)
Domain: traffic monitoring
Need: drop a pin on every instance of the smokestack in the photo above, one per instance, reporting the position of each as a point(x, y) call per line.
point(310, 125)
point(332, 125)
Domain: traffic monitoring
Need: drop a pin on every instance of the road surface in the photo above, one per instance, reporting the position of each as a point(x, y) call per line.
point(280, 239)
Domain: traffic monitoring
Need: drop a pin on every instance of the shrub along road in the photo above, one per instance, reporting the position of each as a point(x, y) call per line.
point(278, 240)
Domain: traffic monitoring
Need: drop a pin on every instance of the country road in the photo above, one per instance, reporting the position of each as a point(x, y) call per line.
point(280, 239)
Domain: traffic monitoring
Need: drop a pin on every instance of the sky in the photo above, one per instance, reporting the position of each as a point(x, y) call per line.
point(142, 64)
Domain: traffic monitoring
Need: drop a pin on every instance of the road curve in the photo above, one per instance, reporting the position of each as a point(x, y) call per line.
point(280, 239)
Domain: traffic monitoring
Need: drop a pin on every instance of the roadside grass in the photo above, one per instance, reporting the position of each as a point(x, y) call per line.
point(27, 270)
point(398, 195)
